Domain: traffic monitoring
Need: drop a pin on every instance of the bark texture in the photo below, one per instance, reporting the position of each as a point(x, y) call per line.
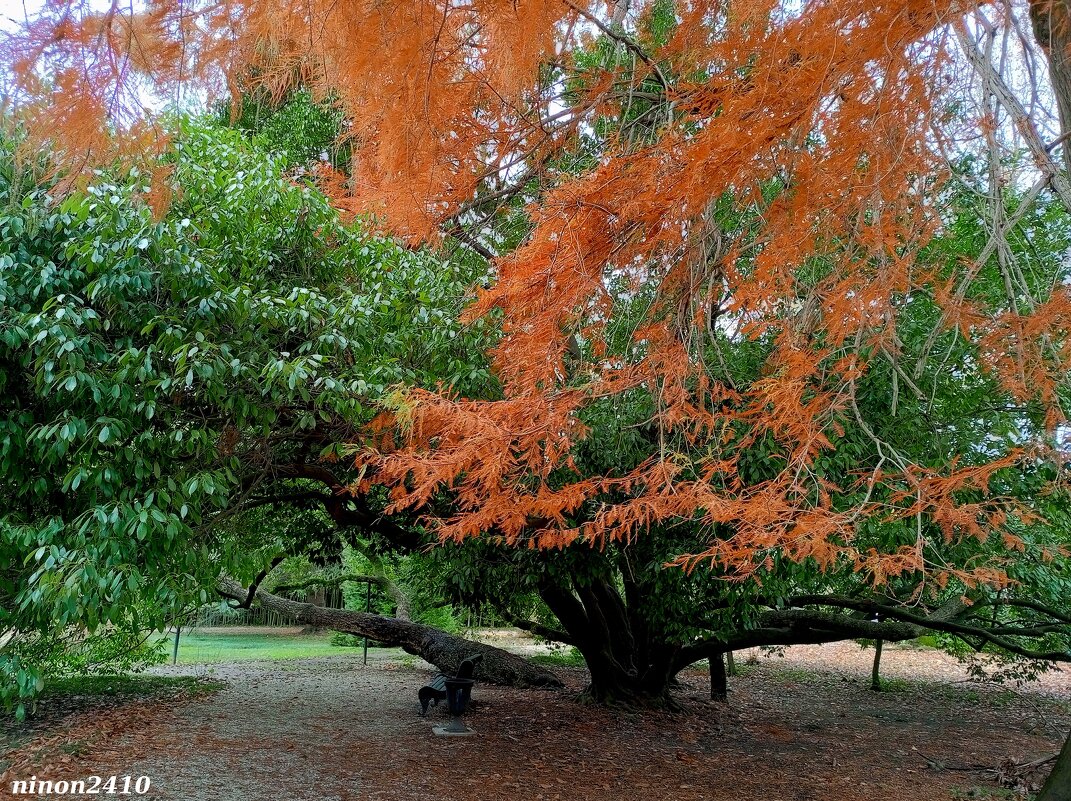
point(1058, 785)
point(443, 650)
point(1051, 20)
point(875, 671)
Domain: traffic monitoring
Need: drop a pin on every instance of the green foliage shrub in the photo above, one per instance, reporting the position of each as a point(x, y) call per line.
point(154, 367)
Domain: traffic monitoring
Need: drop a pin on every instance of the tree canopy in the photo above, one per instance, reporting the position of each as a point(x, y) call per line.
point(779, 291)
point(816, 125)
point(161, 378)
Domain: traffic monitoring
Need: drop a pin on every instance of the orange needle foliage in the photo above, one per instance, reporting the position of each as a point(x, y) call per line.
point(834, 99)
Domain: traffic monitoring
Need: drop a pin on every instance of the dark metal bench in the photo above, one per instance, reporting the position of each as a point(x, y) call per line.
point(435, 690)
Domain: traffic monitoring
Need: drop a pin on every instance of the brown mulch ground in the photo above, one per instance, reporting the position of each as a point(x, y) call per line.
point(799, 728)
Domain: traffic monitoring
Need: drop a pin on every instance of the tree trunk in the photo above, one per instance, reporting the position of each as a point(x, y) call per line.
point(317, 597)
point(1058, 785)
point(730, 663)
point(401, 600)
point(611, 686)
point(875, 671)
point(1051, 21)
point(625, 669)
point(719, 683)
point(443, 650)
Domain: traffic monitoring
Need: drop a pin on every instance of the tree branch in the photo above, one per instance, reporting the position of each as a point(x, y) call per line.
point(401, 600)
point(621, 38)
point(538, 629)
point(247, 602)
point(443, 650)
point(936, 622)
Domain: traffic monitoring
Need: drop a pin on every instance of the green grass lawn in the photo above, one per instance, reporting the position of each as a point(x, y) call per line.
point(559, 657)
point(205, 645)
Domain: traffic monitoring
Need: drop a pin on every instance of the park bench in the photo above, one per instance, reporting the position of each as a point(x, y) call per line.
point(435, 690)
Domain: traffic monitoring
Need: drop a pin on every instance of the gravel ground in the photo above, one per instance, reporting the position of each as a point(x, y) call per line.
point(799, 727)
point(906, 662)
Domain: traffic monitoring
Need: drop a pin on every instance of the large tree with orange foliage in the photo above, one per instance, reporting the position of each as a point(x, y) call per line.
point(717, 216)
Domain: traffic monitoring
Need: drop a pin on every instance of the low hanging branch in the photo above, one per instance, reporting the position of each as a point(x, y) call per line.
point(245, 600)
point(800, 625)
point(953, 619)
point(443, 650)
point(402, 609)
point(538, 629)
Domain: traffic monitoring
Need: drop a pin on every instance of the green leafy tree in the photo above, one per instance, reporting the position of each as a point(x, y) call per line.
point(296, 130)
point(173, 390)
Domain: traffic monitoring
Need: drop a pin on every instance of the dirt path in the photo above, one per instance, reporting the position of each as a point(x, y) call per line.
point(332, 730)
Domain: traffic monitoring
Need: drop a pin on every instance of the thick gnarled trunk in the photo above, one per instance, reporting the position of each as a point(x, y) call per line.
point(627, 667)
point(632, 662)
point(1058, 785)
point(441, 649)
point(611, 685)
